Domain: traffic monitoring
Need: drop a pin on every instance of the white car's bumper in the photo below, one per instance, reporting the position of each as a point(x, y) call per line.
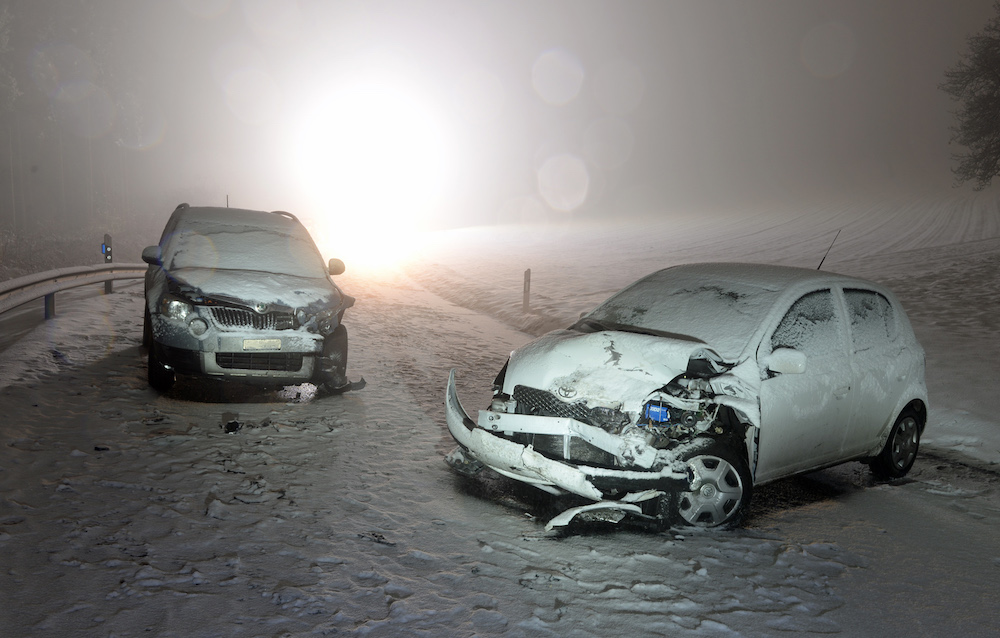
point(523, 463)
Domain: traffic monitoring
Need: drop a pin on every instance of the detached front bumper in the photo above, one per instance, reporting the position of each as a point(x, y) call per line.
point(619, 489)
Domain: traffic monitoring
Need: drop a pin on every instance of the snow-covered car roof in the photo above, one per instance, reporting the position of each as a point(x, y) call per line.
point(720, 304)
point(240, 239)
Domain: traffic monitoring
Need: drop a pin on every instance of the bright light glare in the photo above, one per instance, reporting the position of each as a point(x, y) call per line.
point(373, 161)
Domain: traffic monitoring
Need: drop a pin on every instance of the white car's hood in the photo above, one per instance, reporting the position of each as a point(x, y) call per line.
point(608, 368)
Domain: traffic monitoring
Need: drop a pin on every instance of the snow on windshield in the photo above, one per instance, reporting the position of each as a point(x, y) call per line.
point(229, 246)
point(722, 313)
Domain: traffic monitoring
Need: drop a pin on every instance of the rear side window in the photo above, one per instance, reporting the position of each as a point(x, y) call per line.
point(873, 321)
point(810, 326)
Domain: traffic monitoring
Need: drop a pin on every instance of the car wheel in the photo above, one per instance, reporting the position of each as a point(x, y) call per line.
point(720, 490)
point(161, 378)
point(332, 372)
point(900, 451)
point(147, 330)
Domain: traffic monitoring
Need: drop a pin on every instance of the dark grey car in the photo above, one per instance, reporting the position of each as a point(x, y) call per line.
point(243, 295)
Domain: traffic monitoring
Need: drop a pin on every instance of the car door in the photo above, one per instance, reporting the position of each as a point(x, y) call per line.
point(880, 361)
point(804, 416)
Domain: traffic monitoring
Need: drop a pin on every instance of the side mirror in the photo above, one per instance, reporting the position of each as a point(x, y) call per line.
point(786, 361)
point(336, 267)
point(151, 255)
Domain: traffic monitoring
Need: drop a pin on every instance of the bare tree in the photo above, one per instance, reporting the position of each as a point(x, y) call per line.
point(974, 82)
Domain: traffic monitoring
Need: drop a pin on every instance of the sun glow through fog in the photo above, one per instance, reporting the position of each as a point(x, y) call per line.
point(373, 161)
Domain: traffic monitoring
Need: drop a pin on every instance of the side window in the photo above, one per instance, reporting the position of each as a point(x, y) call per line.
point(810, 326)
point(872, 319)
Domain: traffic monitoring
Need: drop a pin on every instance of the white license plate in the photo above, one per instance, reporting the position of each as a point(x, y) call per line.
point(262, 344)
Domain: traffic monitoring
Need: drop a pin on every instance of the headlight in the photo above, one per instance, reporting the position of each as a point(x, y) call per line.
point(175, 308)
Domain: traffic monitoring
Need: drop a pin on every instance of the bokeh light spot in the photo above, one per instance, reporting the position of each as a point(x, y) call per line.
point(563, 182)
point(54, 67)
point(85, 108)
point(557, 76)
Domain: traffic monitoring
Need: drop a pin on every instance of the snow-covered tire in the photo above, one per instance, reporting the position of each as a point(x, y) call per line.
point(160, 377)
point(720, 490)
point(331, 372)
point(900, 450)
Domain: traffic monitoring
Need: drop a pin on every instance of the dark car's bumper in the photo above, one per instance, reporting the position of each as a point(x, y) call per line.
point(247, 367)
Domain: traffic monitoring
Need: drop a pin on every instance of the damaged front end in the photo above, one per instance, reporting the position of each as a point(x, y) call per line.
point(552, 424)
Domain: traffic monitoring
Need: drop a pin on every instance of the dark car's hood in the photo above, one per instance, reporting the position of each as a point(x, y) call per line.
point(255, 288)
point(602, 367)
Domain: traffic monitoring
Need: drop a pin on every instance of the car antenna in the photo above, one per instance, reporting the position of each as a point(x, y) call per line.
point(828, 249)
point(227, 202)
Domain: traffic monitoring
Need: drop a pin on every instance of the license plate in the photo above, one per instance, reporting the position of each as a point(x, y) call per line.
point(262, 344)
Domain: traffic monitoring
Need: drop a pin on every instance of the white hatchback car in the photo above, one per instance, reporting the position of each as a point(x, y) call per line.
point(675, 397)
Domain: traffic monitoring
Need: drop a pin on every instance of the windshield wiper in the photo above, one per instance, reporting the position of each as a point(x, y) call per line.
point(588, 324)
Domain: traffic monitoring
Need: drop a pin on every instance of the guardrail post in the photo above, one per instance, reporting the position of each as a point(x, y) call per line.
point(526, 303)
point(50, 305)
point(106, 249)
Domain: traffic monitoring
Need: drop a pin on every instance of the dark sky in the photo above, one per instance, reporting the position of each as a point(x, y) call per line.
point(466, 112)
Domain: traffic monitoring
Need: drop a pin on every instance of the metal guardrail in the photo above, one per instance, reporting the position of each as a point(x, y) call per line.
point(15, 292)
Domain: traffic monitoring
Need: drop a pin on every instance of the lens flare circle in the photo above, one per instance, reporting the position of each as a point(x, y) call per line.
point(563, 182)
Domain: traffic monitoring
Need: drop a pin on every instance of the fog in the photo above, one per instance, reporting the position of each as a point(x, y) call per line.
point(374, 117)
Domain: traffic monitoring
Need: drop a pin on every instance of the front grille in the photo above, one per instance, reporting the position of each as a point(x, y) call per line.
point(240, 318)
point(275, 361)
point(542, 403)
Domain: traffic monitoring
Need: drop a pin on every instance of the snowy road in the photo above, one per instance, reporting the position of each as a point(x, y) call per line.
point(124, 513)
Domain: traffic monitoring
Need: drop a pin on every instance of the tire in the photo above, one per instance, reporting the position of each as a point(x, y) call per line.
point(720, 491)
point(900, 450)
point(332, 372)
point(161, 378)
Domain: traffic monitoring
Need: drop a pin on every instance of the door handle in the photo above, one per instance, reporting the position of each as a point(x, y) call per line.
point(840, 392)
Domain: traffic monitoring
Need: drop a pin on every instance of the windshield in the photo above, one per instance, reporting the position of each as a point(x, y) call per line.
point(722, 313)
point(243, 247)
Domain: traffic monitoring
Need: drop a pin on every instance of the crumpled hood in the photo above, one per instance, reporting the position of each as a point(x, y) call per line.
point(604, 368)
point(253, 287)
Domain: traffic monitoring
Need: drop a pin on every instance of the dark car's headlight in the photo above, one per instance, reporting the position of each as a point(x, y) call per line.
point(175, 308)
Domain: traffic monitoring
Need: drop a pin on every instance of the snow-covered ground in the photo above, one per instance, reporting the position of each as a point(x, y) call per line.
point(123, 512)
